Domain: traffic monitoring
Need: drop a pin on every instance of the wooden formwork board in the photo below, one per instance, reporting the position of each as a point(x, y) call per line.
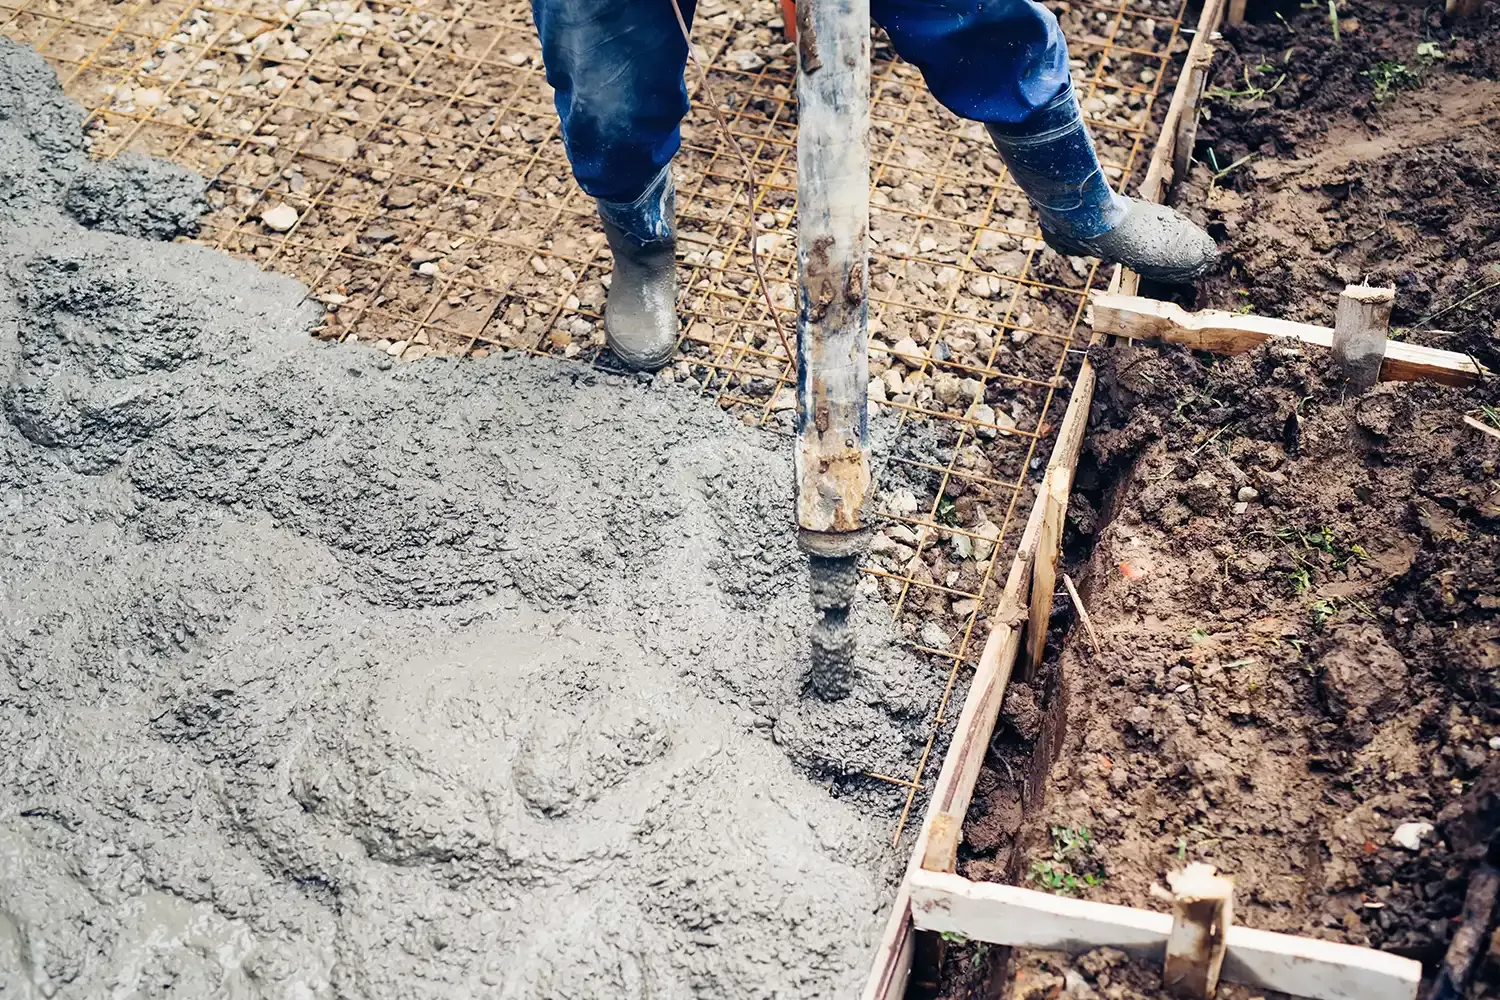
point(955, 784)
point(1026, 918)
point(1230, 333)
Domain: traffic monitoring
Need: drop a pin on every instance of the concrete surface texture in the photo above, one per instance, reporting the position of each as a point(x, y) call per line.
point(324, 676)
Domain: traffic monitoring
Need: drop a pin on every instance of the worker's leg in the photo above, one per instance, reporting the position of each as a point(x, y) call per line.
point(616, 68)
point(1005, 63)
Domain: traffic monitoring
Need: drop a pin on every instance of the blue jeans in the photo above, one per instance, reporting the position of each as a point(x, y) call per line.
point(617, 65)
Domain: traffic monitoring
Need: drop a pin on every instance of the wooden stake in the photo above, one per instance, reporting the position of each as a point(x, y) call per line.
point(1055, 489)
point(1462, 8)
point(1359, 333)
point(942, 843)
point(1236, 11)
point(1202, 911)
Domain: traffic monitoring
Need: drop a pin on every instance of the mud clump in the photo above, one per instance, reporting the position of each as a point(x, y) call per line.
point(1362, 677)
point(323, 676)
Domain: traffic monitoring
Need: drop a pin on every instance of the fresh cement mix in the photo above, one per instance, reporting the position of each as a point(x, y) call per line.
point(324, 676)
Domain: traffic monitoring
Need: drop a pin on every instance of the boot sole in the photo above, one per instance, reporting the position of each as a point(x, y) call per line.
point(1171, 276)
point(641, 361)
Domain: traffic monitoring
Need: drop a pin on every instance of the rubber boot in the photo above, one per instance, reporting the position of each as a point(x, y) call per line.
point(1052, 159)
point(640, 312)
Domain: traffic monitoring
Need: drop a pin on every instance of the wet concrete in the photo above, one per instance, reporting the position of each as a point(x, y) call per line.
point(326, 677)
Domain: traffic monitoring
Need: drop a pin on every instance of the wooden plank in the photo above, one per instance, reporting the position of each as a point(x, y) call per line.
point(955, 785)
point(892, 965)
point(1195, 72)
point(1054, 499)
point(1008, 915)
point(1026, 918)
point(1318, 970)
point(1159, 170)
point(1229, 333)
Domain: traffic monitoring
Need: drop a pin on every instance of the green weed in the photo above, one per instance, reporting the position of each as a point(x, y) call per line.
point(947, 511)
point(1388, 76)
point(1073, 865)
point(1252, 92)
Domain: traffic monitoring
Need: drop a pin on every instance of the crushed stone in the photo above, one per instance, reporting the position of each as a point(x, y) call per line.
point(327, 676)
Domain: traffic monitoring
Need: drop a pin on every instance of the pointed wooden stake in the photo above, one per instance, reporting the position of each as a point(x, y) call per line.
point(1202, 910)
point(1359, 332)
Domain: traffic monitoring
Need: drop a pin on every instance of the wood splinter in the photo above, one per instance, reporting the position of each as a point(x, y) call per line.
point(1202, 910)
point(1360, 328)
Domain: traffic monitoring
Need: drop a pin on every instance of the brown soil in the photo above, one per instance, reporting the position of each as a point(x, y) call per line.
point(1102, 974)
point(1282, 685)
point(1296, 588)
point(1376, 157)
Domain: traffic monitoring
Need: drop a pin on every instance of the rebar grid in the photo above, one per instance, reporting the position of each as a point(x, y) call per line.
point(434, 212)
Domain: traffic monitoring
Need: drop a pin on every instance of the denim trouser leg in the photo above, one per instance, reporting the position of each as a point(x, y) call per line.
point(1005, 63)
point(992, 61)
point(616, 67)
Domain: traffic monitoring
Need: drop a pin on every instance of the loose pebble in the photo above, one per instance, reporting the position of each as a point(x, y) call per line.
point(1409, 836)
point(280, 217)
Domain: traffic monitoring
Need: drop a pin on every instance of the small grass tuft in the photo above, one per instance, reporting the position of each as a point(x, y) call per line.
point(1073, 865)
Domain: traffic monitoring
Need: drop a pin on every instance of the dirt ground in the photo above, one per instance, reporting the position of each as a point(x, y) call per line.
point(1295, 588)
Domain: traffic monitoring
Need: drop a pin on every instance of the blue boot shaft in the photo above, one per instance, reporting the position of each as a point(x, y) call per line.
point(650, 218)
point(1051, 157)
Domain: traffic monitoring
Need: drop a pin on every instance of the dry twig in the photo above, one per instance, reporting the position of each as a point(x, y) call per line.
point(1083, 615)
point(1486, 428)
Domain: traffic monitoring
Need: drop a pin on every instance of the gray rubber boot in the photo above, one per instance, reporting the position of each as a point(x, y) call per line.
point(1152, 240)
point(640, 312)
point(1052, 158)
